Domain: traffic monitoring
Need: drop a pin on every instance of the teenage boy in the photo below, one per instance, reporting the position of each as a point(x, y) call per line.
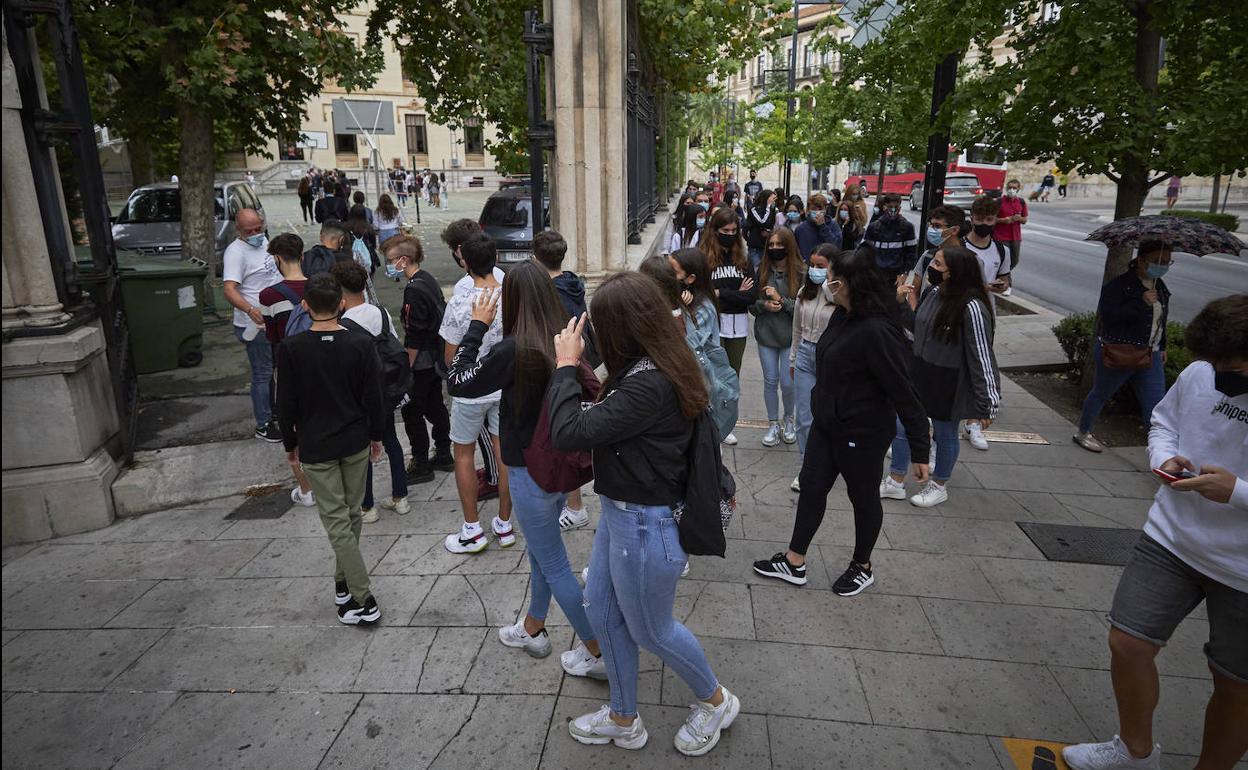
point(423, 307)
point(1193, 551)
point(332, 412)
point(995, 266)
point(470, 415)
point(277, 302)
point(892, 237)
point(1011, 216)
point(454, 236)
point(321, 257)
point(753, 187)
point(944, 228)
point(817, 229)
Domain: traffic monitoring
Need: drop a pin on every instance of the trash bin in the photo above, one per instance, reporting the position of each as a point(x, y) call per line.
point(164, 312)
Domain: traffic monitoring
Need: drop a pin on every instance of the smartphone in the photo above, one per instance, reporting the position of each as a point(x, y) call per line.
point(1170, 478)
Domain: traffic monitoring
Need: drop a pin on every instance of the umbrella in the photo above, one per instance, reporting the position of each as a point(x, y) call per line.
point(1190, 236)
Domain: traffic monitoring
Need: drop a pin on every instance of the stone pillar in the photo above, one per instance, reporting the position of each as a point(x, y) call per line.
point(588, 184)
point(59, 412)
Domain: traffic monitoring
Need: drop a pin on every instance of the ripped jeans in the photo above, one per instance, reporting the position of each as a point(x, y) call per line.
point(633, 570)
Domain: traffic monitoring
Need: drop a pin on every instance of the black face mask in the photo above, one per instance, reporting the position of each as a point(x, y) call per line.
point(934, 276)
point(777, 255)
point(982, 230)
point(1231, 383)
point(726, 240)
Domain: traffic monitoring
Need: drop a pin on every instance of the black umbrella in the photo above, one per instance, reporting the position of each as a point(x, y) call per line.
point(1190, 236)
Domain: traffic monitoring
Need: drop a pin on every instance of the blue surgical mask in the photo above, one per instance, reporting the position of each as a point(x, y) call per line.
point(793, 216)
point(934, 236)
point(1157, 271)
point(700, 222)
point(812, 214)
point(817, 275)
point(705, 205)
point(393, 272)
point(255, 241)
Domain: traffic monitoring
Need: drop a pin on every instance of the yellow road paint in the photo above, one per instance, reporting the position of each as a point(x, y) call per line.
point(1031, 754)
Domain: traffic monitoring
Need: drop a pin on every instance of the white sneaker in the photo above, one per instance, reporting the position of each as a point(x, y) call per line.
point(571, 518)
point(888, 453)
point(598, 728)
point(772, 436)
point(795, 486)
point(894, 490)
point(701, 730)
point(788, 433)
point(1110, 755)
point(1007, 291)
point(504, 532)
point(585, 576)
point(930, 495)
point(685, 572)
point(515, 636)
point(397, 504)
point(369, 515)
point(579, 662)
point(730, 439)
point(469, 539)
point(975, 434)
point(299, 498)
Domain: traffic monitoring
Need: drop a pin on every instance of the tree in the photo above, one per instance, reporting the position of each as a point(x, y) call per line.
point(240, 69)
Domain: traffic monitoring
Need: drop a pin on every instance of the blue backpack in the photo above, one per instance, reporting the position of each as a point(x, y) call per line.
point(299, 319)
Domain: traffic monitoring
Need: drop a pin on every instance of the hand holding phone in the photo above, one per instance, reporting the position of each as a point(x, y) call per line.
point(1172, 476)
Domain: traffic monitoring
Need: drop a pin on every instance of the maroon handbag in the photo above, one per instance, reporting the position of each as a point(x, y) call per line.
point(551, 469)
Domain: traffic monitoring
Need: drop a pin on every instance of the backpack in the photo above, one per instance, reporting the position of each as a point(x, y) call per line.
point(556, 471)
point(396, 371)
point(299, 320)
point(710, 494)
point(318, 259)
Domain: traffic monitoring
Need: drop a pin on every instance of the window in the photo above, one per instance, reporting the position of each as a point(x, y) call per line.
point(417, 139)
point(807, 61)
point(1050, 11)
point(474, 138)
point(345, 144)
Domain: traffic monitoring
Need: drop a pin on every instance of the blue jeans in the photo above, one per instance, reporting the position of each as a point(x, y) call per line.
point(946, 445)
point(394, 453)
point(803, 384)
point(633, 570)
point(551, 574)
point(387, 234)
point(260, 358)
point(775, 363)
point(1149, 384)
point(756, 257)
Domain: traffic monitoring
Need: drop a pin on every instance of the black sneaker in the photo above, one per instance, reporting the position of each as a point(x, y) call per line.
point(270, 433)
point(419, 473)
point(353, 614)
point(341, 594)
point(854, 581)
point(780, 567)
point(442, 461)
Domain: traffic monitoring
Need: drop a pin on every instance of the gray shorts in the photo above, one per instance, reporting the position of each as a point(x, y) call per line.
point(1158, 589)
point(468, 417)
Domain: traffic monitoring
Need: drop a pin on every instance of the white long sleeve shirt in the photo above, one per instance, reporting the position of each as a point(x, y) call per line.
point(1207, 427)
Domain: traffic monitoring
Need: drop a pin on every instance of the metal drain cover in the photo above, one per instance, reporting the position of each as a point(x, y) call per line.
point(1086, 545)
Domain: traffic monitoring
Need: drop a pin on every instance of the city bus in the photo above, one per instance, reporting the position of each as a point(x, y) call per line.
point(986, 162)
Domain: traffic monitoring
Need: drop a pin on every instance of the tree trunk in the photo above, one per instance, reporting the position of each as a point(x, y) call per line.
point(196, 169)
point(142, 170)
point(1213, 201)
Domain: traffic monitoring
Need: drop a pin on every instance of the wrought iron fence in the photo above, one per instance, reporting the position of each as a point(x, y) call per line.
point(642, 117)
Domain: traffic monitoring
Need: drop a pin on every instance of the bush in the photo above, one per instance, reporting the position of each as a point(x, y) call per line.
point(1228, 222)
point(1074, 334)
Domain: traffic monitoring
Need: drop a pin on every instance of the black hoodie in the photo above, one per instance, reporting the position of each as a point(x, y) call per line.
point(571, 292)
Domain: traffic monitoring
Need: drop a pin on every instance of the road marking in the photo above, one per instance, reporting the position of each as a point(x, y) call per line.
point(1035, 755)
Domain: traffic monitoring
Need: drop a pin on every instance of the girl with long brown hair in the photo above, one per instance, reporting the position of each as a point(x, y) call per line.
point(780, 275)
point(732, 279)
point(638, 431)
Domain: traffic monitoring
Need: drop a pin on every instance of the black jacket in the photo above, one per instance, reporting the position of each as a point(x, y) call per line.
point(761, 220)
point(471, 377)
point(894, 240)
point(637, 433)
point(330, 207)
point(423, 308)
point(571, 292)
point(862, 382)
point(1125, 316)
point(727, 279)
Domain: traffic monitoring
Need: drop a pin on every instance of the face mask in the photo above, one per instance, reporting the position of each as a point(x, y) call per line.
point(1157, 271)
point(934, 276)
point(793, 216)
point(1231, 383)
point(890, 212)
point(255, 241)
point(727, 240)
point(842, 215)
point(981, 230)
point(934, 235)
point(777, 255)
point(699, 222)
point(1012, 192)
point(817, 275)
point(392, 271)
point(812, 214)
point(705, 205)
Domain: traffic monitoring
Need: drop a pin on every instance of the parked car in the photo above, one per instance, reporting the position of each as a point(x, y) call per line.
point(515, 180)
point(961, 189)
point(506, 218)
point(150, 222)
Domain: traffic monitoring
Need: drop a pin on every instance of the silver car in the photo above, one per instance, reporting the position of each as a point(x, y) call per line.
point(961, 190)
point(150, 222)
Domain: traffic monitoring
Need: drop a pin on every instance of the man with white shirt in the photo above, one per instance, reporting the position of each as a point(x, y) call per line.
point(248, 270)
point(994, 262)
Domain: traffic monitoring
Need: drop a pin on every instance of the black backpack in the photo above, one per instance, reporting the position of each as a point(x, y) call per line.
point(396, 371)
point(710, 491)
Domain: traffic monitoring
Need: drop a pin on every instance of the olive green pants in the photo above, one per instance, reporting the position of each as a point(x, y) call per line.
point(339, 489)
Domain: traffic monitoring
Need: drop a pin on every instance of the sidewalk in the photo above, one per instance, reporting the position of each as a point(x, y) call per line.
point(184, 639)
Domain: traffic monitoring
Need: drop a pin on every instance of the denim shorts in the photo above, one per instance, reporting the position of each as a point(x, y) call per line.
point(1158, 589)
point(467, 417)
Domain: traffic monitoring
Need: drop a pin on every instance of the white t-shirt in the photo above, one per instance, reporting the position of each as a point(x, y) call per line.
point(389, 224)
point(253, 269)
point(455, 325)
point(990, 260)
point(466, 284)
point(369, 317)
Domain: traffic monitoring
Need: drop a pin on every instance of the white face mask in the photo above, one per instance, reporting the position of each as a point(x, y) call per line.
point(1012, 192)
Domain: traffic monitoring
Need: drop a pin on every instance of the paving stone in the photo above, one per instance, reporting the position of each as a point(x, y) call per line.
point(737, 566)
point(448, 659)
point(1051, 583)
point(71, 604)
point(1129, 512)
point(1139, 484)
point(912, 573)
point(77, 729)
point(9, 636)
point(946, 534)
point(473, 600)
point(764, 677)
point(867, 621)
point(14, 552)
point(963, 503)
point(1017, 633)
point(742, 745)
point(718, 609)
point(966, 696)
point(480, 742)
point(849, 746)
point(425, 555)
point(200, 522)
point(310, 556)
point(1030, 478)
point(135, 561)
point(773, 491)
point(248, 730)
point(393, 659)
point(766, 462)
point(1064, 455)
point(76, 660)
point(499, 669)
point(391, 731)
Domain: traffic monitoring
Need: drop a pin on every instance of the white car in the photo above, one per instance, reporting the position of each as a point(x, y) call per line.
point(961, 189)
